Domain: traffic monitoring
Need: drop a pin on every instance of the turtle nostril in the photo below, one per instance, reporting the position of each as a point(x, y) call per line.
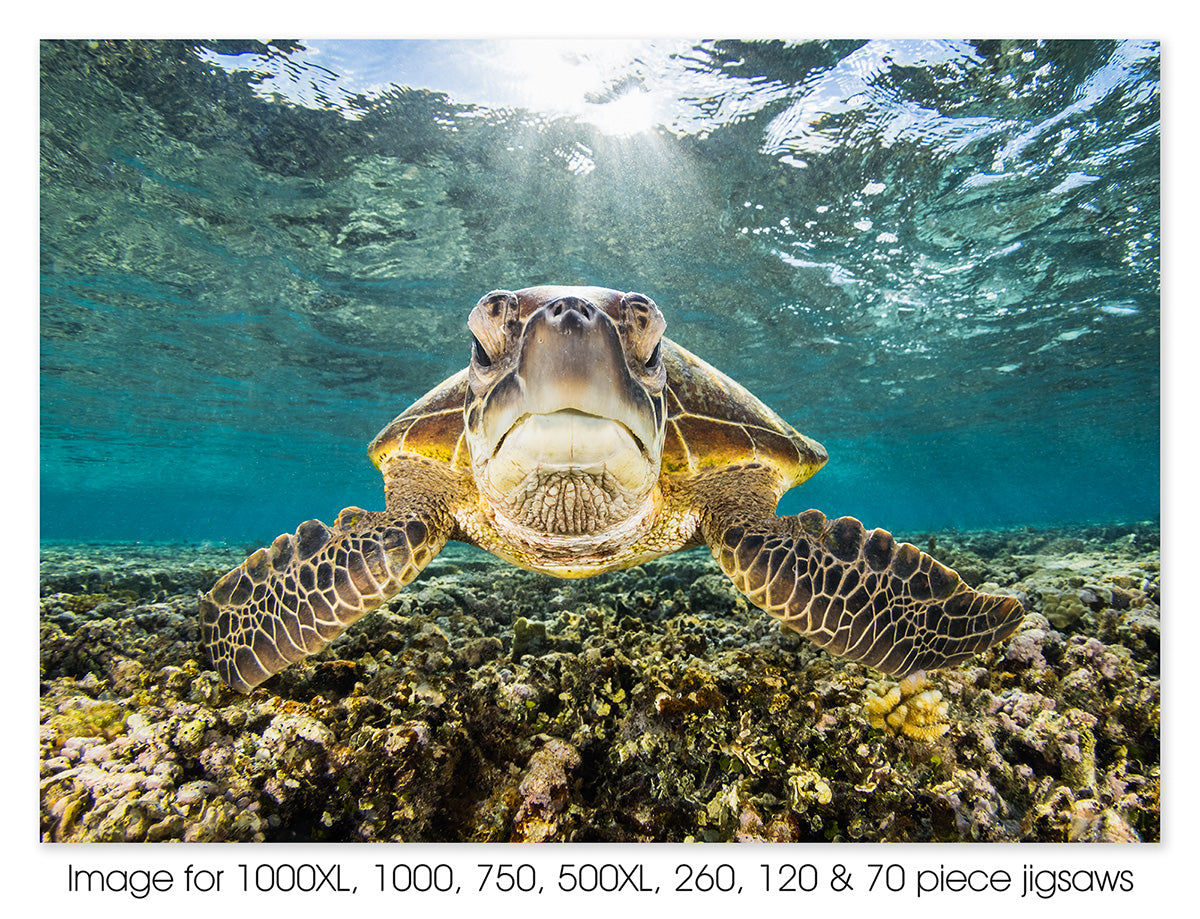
point(565, 306)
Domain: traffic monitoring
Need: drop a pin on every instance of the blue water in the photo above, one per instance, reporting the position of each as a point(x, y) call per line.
point(940, 259)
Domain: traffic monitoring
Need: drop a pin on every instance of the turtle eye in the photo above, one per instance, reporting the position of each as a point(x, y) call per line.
point(655, 356)
point(479, 354)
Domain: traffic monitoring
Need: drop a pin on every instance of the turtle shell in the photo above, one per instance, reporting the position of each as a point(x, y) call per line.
point(712, 421)
point(431, 427)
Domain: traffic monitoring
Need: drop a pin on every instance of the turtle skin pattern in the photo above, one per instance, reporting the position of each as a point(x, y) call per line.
point(857, 594)
point(861, 595)
point(288, 601)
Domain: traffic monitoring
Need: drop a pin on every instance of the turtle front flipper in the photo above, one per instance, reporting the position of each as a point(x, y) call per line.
point(288, 601)
point(856, 593)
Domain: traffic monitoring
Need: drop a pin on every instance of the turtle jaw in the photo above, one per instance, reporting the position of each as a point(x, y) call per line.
point(568, 443)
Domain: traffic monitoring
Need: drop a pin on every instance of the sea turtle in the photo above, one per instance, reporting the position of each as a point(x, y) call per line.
point(580, 440)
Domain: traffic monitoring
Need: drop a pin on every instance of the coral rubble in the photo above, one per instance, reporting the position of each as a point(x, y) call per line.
point(487, 703)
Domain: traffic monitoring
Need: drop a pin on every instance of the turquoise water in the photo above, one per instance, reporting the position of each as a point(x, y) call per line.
point(940, 259)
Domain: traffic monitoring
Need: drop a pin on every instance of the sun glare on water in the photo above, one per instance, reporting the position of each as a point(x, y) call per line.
point(609, 83)
point(603, 82)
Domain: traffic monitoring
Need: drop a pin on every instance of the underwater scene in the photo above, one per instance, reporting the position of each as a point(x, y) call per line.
point(937, 260)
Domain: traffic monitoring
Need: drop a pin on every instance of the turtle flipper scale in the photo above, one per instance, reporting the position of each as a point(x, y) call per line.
point(857, 593)
point(288, 601)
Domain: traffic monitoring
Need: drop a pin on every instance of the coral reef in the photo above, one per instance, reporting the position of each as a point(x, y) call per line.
point(488, 703)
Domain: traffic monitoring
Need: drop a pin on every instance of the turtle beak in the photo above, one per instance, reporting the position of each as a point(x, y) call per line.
point(572, 359)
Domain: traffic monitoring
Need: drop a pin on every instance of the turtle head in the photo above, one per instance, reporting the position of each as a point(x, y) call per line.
point(566, 407)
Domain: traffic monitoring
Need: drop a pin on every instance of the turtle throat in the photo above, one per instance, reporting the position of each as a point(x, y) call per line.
point(568, 474)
